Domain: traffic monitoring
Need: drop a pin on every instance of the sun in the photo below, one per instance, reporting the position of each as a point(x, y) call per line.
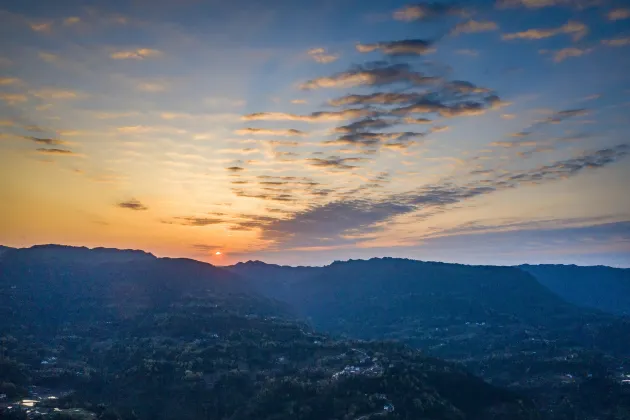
point(217, 253)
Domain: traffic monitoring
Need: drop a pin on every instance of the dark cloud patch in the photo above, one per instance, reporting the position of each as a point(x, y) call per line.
point(45, 140)
point(320, 225)
point(366, 124)
point(374, 73)
point(378, 98)
point(235, 168)
point(269, 195)
point(563, 115)
point(407, 47)
point(570, 167)
point(331, 223)
point(370, 139)
point(64, 152)
point(426, 10)
point(335, 162)
point(194, 221)
point(132, 204)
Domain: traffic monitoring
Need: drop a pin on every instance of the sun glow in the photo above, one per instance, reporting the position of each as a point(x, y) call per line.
point(217, 253)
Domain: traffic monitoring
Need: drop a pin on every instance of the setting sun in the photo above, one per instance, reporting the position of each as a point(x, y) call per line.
point(217, 253)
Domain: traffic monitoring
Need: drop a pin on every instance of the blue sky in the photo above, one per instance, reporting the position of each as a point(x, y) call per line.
point(303, 132)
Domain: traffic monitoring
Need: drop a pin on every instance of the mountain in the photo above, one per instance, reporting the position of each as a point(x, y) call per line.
point(4, 249)
point(276, 281)
point(499, 322)
point(57, 284)
point(600, 287)
point(122, 335)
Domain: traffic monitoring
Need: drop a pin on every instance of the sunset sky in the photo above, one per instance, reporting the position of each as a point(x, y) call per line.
point(302, 132)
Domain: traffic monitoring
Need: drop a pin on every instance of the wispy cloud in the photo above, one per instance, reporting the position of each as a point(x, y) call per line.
point(539, 4)
point(194, 221)
point(619, 14)
point(59, 152)
point(13, 98)
point(10, 81)
point(334, 162)
point(617, 42)
point(47, 141)
point(564, 53)
point(151, 87)
point(399, 48)
point(51, 93)
point(132, 204)
point(576, 29)
point(323, 116)
point(426, 10)
point(271, 132)
point(373, 74)
point(137, 54)
point(321, 56)
point(474, 26)
point(41, 26)
point(72, 20)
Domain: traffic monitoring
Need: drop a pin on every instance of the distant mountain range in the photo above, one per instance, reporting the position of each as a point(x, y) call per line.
point(514, 326)
point(601, 287)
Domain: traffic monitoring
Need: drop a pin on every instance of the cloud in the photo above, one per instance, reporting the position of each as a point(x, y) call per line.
point(474, 26)
point(617, 42)
point(564, 53)
point(378, 98)
point(271, 132)
point(61, 152)
point(425, 10)
point(151, 87)
point(508, 116)
point(336, 222)
point(511, 144)
point(539, 4)
point(207, 248)
point(365, 124)
point(563, 115)
point(137, 54)
point(47, 141)
point(439, 129)
point(13, 98)
point(376, 73)
point(235, 169)
point(132, 204)
point(334, 162)
point(577, 29)
point(619, 14)
point(322, 116)
point(72, 20)
point(299, 101)
point(41, 27)
point(55, 93)
point(399, 48)
point(48, 57)
point(370, 139)
point(194, 221)
point(320, 56)
point(7, 81)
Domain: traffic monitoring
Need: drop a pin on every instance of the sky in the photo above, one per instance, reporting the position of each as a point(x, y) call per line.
point(301, 132)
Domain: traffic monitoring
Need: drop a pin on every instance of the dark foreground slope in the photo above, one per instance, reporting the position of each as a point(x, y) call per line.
point(135, 337)
point(600, 287)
